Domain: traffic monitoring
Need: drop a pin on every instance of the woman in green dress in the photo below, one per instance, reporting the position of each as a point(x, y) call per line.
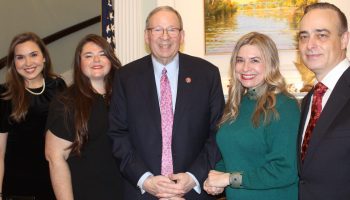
point(258, 131)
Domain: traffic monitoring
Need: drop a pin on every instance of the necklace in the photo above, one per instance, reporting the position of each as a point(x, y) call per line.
point(37, 93)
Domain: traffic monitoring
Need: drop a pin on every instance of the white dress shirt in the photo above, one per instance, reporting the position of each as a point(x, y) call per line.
point(173, 75)
point(330, 80)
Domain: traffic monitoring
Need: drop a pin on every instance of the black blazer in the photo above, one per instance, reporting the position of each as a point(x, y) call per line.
point(325, 173)
point(135, 126)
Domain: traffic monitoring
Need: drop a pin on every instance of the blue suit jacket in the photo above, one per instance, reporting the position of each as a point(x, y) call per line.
point(135, 126)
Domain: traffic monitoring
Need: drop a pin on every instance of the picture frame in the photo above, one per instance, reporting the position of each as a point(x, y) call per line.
point(227, 20)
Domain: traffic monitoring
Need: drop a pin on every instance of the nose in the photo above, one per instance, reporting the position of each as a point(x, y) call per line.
point(311, 42)
point(245, 66)
point(97, 58)
point(28, 61)
point(165, 34)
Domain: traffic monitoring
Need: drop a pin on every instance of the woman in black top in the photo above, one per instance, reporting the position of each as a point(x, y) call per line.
point(24, 102)
point(77, 147)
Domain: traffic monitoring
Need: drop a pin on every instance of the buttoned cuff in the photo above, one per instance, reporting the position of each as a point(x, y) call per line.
point(196, 188)
point(235, 179)
point(142, 180)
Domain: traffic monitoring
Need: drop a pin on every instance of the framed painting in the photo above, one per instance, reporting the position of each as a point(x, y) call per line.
point(227, 20)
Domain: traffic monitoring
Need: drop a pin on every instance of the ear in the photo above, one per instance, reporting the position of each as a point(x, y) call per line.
point(146, 36)
point(182, 36)
point(345, 40)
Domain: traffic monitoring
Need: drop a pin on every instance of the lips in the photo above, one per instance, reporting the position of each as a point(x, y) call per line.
point(248, 76)
point(29, 70)
point(97, 67)
point(164, 45)
point(312, 54)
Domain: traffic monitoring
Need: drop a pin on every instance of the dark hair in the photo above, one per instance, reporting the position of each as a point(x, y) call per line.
point(163, 8)
point(15, 82)
point(324, 5)
point(80, 95)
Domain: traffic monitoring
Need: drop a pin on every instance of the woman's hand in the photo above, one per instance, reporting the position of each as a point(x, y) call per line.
point(216, 182)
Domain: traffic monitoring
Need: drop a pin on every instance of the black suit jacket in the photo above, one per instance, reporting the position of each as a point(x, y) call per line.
point(135, 123)
point(325, 173)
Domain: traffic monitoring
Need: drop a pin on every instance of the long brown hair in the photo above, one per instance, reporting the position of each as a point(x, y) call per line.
point(80, 95)
point(273, 81)
point(15, 82)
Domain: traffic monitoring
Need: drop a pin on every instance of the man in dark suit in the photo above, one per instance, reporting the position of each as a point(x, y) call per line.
point(324, 132)
point(138, 120)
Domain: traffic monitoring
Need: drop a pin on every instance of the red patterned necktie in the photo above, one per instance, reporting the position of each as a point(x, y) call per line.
point(167, 118)
point(316, 109)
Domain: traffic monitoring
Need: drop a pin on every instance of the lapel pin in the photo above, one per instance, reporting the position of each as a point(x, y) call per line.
point(188, 80)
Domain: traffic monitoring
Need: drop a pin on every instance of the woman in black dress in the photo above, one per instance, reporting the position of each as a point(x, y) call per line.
point(24, 101)
point(77, 147)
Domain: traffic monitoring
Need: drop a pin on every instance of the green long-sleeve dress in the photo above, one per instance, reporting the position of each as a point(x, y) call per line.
point(265, 155)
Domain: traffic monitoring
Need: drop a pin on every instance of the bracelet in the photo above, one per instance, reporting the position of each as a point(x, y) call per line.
point(235, 179)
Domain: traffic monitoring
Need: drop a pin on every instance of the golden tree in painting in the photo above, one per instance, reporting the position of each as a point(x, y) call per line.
point(220, 8)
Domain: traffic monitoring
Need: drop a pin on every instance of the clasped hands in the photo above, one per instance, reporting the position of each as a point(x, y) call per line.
point(216, 182)
point(173, 187)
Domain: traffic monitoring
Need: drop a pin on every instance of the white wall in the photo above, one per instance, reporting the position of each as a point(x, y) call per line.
point(192, 12)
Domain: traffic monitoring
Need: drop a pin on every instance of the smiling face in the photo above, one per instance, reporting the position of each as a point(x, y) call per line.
point(29, 62)
point(250, 66)
point(163, 47)
point(94, 63)
point(321, 44)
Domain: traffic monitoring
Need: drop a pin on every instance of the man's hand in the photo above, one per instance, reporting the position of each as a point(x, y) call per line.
point(184, 181)
point(162, 187)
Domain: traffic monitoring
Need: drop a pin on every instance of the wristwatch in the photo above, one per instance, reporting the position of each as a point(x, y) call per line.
point(235, 179)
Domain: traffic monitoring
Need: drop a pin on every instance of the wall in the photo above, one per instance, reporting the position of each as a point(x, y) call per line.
point(192, 13)
point(46, 18)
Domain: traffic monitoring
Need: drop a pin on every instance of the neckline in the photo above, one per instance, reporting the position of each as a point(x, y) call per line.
point(37, 93)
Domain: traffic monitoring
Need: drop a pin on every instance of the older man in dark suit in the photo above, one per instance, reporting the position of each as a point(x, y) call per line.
point(324, 134)
point(163, 116)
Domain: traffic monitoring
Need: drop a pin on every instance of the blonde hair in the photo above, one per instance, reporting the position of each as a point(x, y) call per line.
point(273, 82)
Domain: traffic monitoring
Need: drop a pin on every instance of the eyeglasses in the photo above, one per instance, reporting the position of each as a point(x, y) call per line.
point(159, 31)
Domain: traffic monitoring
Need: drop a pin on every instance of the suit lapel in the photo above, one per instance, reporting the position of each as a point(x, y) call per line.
point(304, 111)
point(146, 84)
point(338, 98)
point(184, 90)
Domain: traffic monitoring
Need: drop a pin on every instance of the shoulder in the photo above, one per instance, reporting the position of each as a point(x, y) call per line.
point(196, 62)
point(283, 100)
point(55, 83)
point(287, 105)
point(138, 64)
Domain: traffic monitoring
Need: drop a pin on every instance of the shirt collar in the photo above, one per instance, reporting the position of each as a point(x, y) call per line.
point(331, 79)
point(171, 67)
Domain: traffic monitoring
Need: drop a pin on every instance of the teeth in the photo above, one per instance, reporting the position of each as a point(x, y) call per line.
point(248, 76)
point(164, 45)
point(29, 70)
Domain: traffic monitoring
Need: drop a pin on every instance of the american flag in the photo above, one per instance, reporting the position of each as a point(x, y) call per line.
point(107, 19)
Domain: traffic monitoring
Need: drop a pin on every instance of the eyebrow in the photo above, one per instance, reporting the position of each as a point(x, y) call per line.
point(317, 31)
point(255, 57)
point(27, 54)
point(89, 52)
point(323, 30)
